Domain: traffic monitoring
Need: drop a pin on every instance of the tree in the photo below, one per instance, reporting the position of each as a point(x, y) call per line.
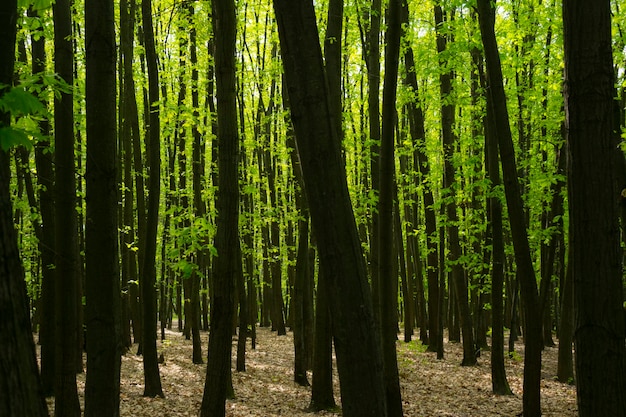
point(499, 383)
point(45, 180)
point(102, 312)
point(152, 377)
point(66, 223)
point(459, 286)
point(19, 376)
point(227, 265)
point(387, 279)
point(596, 257)
point(420, 159)
point(322, 397)
point(532, 311)
point(357, 343)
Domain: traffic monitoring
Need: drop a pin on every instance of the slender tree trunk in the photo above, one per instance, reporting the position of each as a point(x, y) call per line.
point(594, 212)
point(565, 365)
point(299, 293)
point(420, 160)
point(198, 203)
point(373, 111)
point(152, 376)
point(357, 341)
point(322, 397)
point(104, 341)
point(450, 185)
point(532, 338)
point(388, 281)
point(302, 304)
point(131, 120)
point(243, 319)
point(66, 228)
point(499, 382)
point(228, 264)
point(45, 180)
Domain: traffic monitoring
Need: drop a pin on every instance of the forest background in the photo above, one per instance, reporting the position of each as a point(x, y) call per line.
point(410, 96)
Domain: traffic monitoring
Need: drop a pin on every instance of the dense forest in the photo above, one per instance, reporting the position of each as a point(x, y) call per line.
point(358, 177)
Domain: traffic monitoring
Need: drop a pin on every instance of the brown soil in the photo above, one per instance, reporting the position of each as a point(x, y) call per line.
point(430, 387)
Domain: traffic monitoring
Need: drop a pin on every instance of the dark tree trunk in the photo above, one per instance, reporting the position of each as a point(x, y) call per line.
point(102, 315)
point(299, 294)
point(357, 342)
point(45, 180)
point(373, 109)
point(228, 264)
point(450, 186)
point(532, 337)
point(418, 134)
point(388, 281)
point(66, 227)
point(132, 118)
point(243, 318)
point(499, 382)
point(565, 365)
point(596, 256)
point(19, 379)
point(198, 161)
point(302, 300)
point(152, 377)
point(128, 255)
point(322, 397)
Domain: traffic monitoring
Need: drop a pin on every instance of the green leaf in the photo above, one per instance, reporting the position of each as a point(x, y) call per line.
point(10, 137)
point(39, 4)
point(19, 101)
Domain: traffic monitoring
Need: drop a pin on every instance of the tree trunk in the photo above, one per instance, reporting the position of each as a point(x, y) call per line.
point(198, 161)
point(45, 180)
point(388, 281)
point(243, 319)
point(594, 229)
point(357, 342)
point(450, 185)
point(565, 365)
point(499, 382)
point(302, 302)
point(66, 228)
point(322, 397)
point(228, 264)
point(152, 376)
point(420, 160)
point(373, 109)
point(532, 337)
point(19, 380)
point(104, 339)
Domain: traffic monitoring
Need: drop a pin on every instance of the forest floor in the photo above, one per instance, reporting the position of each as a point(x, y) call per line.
point(430, 387)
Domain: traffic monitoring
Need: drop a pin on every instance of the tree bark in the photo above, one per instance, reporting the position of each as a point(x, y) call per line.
point(152, 376)
point(45, 180)
point(499, 382)
point(66, 228)
point(19, 376)
point(532, 338)
point(596, 256)
point(565, 365)
point(388, 281)
point(322, 397)
point(373, 111)
point(228, 263)
point(357, 342)
point(420, 160)
point(450, 186)
point(104, 342)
